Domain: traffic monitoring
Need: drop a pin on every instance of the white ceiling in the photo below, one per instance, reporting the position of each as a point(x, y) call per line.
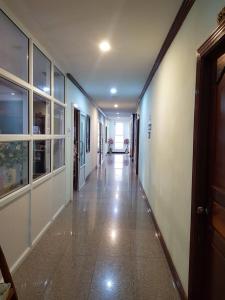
point(71, 30)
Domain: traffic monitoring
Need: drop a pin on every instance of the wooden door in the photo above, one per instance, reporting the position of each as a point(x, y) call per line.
point(100, 144)
point(207, 250)
point(137, 145)
point(215, 258)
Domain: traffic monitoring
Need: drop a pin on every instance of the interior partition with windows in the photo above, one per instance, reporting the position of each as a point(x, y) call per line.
point(32, 111)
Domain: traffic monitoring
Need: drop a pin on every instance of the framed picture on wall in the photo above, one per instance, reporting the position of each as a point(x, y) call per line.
point(88, 133)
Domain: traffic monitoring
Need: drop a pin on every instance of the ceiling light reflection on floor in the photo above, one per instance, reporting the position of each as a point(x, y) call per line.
point(104, 46)
point(109, 284)
point(115, 210)
point(113, 91)
point(113, 235)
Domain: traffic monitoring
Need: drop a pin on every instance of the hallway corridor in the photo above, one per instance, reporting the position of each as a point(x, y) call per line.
point(102, 246)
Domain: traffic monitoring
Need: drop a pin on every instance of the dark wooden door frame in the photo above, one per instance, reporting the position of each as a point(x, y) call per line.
point(137, 145)
point(76, 155)
point(204, 96)
point(133, 137)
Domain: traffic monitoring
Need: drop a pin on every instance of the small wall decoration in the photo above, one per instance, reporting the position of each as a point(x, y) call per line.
point(221, 16)
point(149, 129)
point(88, 134)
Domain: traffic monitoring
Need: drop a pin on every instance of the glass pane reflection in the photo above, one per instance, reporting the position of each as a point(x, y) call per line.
point(42, 158)
point(13, 166)
point(41, 115)
point(13, 108)
point(13, 48)
point(41, 71)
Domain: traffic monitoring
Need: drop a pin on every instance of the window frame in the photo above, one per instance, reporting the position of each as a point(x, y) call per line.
point(64, 82)
point(30, 137)
point(28, 47)
point(28, 106)
point(50, 103)
point(57, 139)
point(14, 190)
point(50, 161)
point(34, 45)
point(119, 135)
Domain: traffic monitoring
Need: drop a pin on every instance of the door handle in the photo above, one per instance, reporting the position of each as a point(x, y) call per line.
point(202, 210)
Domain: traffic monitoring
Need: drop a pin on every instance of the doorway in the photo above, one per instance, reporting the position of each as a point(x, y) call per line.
point(76, 150)
point(100, 144)
point(207, 250)
point(82, 152)
point(79, 149)
point(137, 144)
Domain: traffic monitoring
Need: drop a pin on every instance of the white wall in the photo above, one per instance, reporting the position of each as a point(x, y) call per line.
point(166, 159)
point(25, 218)
point(75, 97)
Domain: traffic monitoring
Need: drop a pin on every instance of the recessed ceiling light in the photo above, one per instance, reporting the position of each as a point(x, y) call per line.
point(113, 91)
point(117, 113)
point(13, 94)
point(104, 46)
point(115, 105)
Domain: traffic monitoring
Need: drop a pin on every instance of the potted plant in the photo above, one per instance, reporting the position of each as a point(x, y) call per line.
point(126, 142)
point(110, 143)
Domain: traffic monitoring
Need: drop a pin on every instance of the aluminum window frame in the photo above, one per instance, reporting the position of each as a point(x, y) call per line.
point(30, 137)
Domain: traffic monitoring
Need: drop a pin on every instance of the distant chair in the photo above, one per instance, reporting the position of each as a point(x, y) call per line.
point(12, 295)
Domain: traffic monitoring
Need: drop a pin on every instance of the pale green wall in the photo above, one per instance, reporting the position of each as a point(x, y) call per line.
point(166, 159)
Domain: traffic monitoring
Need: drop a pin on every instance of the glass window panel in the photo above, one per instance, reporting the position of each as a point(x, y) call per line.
point(59, 85)
point(59, 153)
point(13, 166)
point(41, 71)
point(118, 139)
point(41, 158)
point(13, 48)
point(13, 108)
point(118, 146)
point(119, 128)
point(59, 119)
point(41, 115)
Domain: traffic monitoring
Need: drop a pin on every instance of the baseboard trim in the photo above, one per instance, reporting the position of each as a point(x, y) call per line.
point(173, 270)
point(20, 260)
point(58, 212)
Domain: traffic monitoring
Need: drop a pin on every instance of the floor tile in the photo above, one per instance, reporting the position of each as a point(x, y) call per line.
point(102, 245)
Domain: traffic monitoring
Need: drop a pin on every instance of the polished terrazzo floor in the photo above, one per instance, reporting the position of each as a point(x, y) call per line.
point(102, 246)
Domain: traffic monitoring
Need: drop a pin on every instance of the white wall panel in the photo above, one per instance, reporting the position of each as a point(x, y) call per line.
point(41, 207)
point(14, 228)
point(58, 191)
